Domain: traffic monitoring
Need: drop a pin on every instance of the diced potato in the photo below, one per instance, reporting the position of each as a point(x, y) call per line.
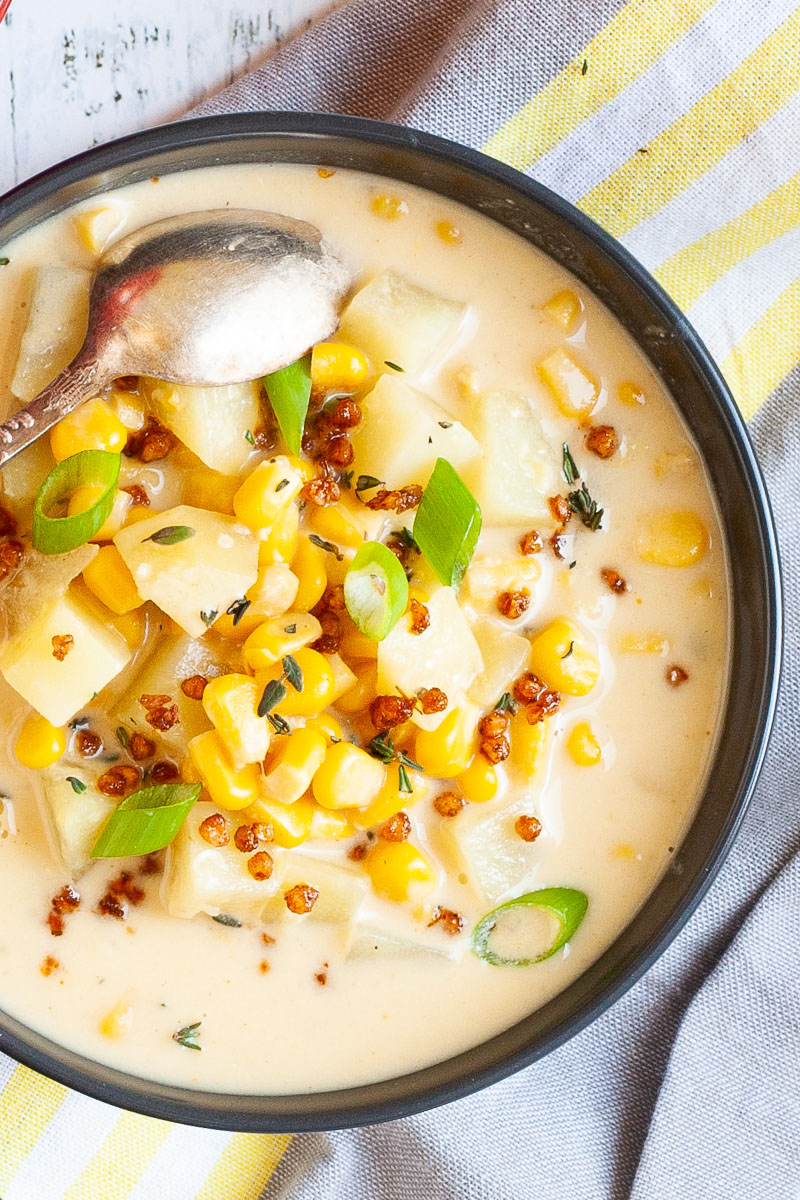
point(403, 432)
point(291, 822)
point(77, 817)
point(270, 596)
point(446, 655)
point(488, 576)
point(97, 226)
point(23, 474)
point(505, 657)
point(341, 891)
point(230, 703)
point(211, 421)
point(42, 575)
point(59, 688)
point(487, 849)
point(374, 942)
point(202, 574)
point(128, 407)
point(518, 470)
point(343, 677)
point(573, 388)
point(395, 321)
point(57, 320)
point(200, 878)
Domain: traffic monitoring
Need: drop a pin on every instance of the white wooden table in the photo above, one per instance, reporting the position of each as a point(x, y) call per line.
point(74, 73)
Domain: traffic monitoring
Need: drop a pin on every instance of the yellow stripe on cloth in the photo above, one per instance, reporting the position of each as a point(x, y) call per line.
point(624, 49)
point(245, 1166)
point(766, 354)
point(27, 1104)
point(121, 1160)
point(702, 137)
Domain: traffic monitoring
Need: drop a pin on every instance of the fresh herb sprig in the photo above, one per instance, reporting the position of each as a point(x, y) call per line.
point(188, 1036)
point(275, 691)
point(383, 748)
point(316, 540)
point(580, 501)
point(238, 609)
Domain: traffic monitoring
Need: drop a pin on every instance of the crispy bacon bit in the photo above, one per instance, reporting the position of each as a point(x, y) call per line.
point(602, 440)
point(151, 443)
point(431, 700)
point(49, 965)
point(214, 830)
point(141, 747)
point(531, 542)
point(110, 905)
point(358, 852)
point(56, 923)
point(87, 744)
point(528, 828)
point(301, 898)
point(323, 490)
point(163, 716)
point(492, 731)
point(339, 451)
point(539, 700)
point(264, 966)
point(347, 414)
point(194, 686)
point(245, 839)
point(65, 901)
point(613, 580)
point(260, 865)
point(334, 598)
point(138, 494)
point(676, 676)
point(8, 523)
point(119, 781)
point(558, 544)
point(449, 804)
point(400, 500)
point(330, 639)
point(496, 749)
point(561, 509)
point(420, 617)
point(150, 865)
point(267, 939)
point(62, 644)
point(388, 711)
point(514, 604)
point(451, 922)
point(164, 772)
point(10, 557)
point(264, 438)
point(148, 700)
point(397, 828)
point(125, 886)
point(321, 978)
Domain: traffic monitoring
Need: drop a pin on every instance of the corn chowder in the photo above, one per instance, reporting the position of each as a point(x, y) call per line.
point(350, 713)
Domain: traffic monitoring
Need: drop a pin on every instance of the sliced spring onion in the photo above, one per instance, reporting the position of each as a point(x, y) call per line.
point(375, 590)
point(146, 820)
point(57, 535)
point(448, 524)
point(289, 391)
point(567, 905)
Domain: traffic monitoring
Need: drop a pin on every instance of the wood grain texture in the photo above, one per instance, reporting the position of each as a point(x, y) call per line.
point(74, 73)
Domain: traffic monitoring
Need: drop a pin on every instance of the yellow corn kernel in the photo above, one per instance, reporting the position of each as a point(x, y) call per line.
point(399, 871)
point(446, 751)
point(119, 1021)
point(574, 390)
point(329, 823)
point(528, 744)
point(642, 643)
point(479, 782)
point(388, 207)
point(356, 645)
point(348, 778)
point(304, 468)
point(230, 703)
point(132, 625)
point(363, 691)
point(583, 746)
point(87, 495)
point(564, 308)
point(204, 488)
point(333, 524)
point(343, 677)
point(631, 393)
point(318, 684)
point(309, 565)
point(93, 426)
point(278, 543)
point(266, 492)
point(559, 656)
point(291, 822)
point(270, 596)
point(139, 512)
point(228, 787)
point(296, 760)
point(128, 407)
point(335, 365)
point(108, 578)
point(271, 640)
point(673, 462)
point(449, 233)
point(625, 851)
point(40, 744)
point(390, 798)
point(326, 724)
point(96, 226)
point(672, 539)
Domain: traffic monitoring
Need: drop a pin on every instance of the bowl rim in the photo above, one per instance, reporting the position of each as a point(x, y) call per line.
point(438, 1083)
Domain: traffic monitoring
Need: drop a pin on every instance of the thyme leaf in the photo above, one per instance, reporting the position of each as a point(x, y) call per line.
point(188, 1036)
point(586, 508)
point(506, 703)
point(292, 672)
point(281, 485)
point(568, 466)
point(77, 785)
point(404, 783)
point(170, 534)
point(231, 922)
point(383, 748)
point(273, 693)
point(122, 737)
point(279, 723)
point(208, 618)
point(368, 481)
point(238, 609)
point(248, 437)
point(329, 546)
point(394, 366)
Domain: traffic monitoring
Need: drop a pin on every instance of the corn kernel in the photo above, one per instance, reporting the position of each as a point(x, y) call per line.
point(303, 467)
point(296, 760)
point(329, 823)
point(642, 643)
point(271, 640)
point(625, 851)
point(139, 512)
point(278, 543)
point(228, 787)
point(399, 871)
point(333, 524)
point(631, 393)
point(266, 492)
point(449, 233)
point(559, 656)
point(318, 684)
point(326, 724)
point(479, 782)
point(291, 822)
point(363, 691)
point(40, 744)
point(528, 745)
point(270, 596)
point(583, 746)
point(388, 207)
point(108, 578)
point(119, 1021)
point(672, 539)
point(204, 488)
point(96, 226)
point(132, 625)
point(337, 366)
point(309, 565)
point(84, 497)
point(93, 426)
point(564, 308)
point(391, 799)
point(673, 462)
point(355, 645)
point(348, 778)
point(447, 750)
point(230, 703)
point(574, 390)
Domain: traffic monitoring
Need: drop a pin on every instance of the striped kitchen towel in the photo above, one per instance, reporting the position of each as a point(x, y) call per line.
point(674, 123)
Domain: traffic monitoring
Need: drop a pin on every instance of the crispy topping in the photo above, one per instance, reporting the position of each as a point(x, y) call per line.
point(339, 451)
point(451, 922)
point(602, 440)
point(151, 443)
point(246, 839)
point(301, 898)
point(194, 686)
point(347, 414)
point(528, 828)
point(431, 700)
point(138, 495)
point(164, 772)
point(148, 700)
point(397, 828)
point(493, 725)
point(65, 901)
point(539, 700)
point(119, 781)
point(62, 644)
point(558, 544)
point(561, 509)
point(420, 617)
point(10, 557)
point(323, 490)
point(514, 604)
point(8, 523)
point(150, 864)
point(125, 886)
point(613, 580)
point(87, 744)
point(214, 830)
point(321, 978)
point(531, 542)
point(110, 905)
point(676, 676)
point(492, 732)
point(264, 438)
point(49, 965)
point(399, 501)
point(388, 711)
point(56, 923)
point(260, 865)
point(449, 804)
point(163, 716)
point(264, 966)
point(329, 640)
point(359, 852)
point(140, 746)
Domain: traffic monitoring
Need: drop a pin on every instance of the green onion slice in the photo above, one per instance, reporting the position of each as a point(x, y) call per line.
point(567, 905)
point(448, 524)
point(375, 590)
point(57, 535)
point(146, 820)
point(289, 391)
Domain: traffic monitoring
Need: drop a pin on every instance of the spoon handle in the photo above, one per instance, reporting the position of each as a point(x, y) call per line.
point(76, 383)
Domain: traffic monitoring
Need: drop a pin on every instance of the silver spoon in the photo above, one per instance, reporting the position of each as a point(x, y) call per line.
point(206, 298)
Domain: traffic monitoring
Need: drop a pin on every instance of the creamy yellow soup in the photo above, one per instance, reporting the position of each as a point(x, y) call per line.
point(474, 348)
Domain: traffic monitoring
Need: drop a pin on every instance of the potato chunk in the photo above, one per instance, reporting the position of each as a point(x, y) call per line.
point(518, 470)
point(201, 574)
point(341, 891)
point(59, 687)
point(395, 321)
point(505, 657)
point(487, 849)
point(77, 817)
point(58, 316)
point(403, 432)
point(211, 421)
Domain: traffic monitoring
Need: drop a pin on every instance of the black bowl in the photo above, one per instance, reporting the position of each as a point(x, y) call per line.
point(694, 381)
